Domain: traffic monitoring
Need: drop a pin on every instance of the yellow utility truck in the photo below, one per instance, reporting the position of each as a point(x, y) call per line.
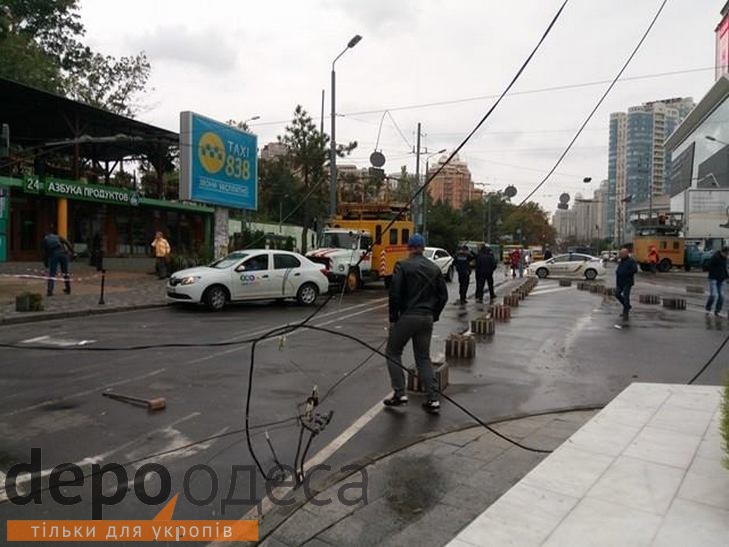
point(360, 245)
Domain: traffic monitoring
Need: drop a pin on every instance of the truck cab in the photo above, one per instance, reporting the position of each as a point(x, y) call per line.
point(346, 255)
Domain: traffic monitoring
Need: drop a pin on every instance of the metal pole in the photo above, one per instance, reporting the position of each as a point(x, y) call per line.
point(489, 224)
point(417, 181)
point(333, 153)
point(425, 203)
point(321, 123)
point(101, 296)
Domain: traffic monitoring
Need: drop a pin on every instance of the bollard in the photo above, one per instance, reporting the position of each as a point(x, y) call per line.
point(674, 303)
point(582, 285)
point(609, 291)
point(565, 283)
point(483, 325)
point(649, 299)
point(101, 296)
point(510, 300)
point(500, 313)
point(460, 345)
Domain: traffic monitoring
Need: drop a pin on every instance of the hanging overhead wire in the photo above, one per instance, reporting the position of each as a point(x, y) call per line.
point(598, 104)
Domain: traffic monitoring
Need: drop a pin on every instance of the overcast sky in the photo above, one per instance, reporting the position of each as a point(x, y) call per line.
point(232, 59)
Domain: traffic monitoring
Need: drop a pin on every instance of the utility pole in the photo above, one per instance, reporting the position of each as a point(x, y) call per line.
point(321, 123)
point(420, 202)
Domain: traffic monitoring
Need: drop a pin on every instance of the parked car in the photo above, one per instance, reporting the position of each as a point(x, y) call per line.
point(255, 274)
point(570, 264)
point(443, 260)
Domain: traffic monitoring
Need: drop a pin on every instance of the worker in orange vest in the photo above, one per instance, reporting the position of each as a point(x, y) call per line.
point(653, 258)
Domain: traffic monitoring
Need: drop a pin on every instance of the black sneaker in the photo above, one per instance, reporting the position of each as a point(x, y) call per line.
point(431, 406)
point(397, 399)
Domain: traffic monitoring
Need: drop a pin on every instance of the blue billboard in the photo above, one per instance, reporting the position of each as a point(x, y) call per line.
point(218, 163)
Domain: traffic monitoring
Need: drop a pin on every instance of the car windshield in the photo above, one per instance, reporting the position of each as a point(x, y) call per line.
point(228, 261)
point(338, 240)
point(429, 253)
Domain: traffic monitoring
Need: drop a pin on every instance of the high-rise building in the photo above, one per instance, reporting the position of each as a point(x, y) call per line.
point(564, 222)
point(638, 166)
point(453, 185)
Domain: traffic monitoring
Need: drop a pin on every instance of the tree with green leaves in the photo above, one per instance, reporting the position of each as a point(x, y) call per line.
point(308, 160)
point(41, 46)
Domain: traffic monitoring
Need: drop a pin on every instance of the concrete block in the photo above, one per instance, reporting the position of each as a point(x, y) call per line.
point(649, 299)
point(510, 300)
point(500, 312)
point(565, 283)
point(694, 289)
point(460, 345)
point(440, 375)
point(483, 325)
point(674, 303)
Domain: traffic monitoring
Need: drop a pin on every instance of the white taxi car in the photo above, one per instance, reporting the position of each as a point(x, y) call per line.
point(571, 264)
point(250, 275)
point(442, 259)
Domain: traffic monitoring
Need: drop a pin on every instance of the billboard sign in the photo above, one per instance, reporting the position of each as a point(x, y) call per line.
point(707, 213)
point(218, 163)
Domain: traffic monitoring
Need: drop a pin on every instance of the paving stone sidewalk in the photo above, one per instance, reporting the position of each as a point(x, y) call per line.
point(123, 290)
point(426, 493)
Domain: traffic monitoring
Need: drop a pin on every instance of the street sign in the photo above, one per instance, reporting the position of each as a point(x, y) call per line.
point(32, 185)
point(218, 163)
point(562, 206)
point(564, 198)
point(510, 191)
point(377, 159)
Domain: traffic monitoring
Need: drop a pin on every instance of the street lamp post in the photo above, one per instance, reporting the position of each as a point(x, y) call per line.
point(333, 143)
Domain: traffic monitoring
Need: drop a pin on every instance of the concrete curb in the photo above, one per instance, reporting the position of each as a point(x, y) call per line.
point(50, 316)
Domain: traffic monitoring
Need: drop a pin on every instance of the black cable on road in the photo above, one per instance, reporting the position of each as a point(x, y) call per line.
point(599, 103)
point(711, 360)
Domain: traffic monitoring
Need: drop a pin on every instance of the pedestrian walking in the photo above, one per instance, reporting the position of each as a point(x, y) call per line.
point(653, 258)
point(485, 267)
point(162, 252)
point(717, 275)
point(625, 279)
point(418, 295)
point(522, 263)
point(514, 260)
point(463, 267)
point(57, 251)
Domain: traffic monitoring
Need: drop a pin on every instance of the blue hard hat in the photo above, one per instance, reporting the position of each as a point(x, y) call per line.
point(416, 240)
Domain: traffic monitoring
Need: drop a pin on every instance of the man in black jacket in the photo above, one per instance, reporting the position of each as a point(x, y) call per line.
point(485, 268)
point(625, 279)
point(418, 294)
point(717, 275)
point(463, 267)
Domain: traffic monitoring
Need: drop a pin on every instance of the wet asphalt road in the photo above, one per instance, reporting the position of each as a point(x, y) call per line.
point(563, 348)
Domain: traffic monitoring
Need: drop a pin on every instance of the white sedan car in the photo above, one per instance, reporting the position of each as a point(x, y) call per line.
point(250, 275)
point(442, 259)
point(569, 265)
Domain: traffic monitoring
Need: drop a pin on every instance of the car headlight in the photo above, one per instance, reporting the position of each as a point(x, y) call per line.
point(341, 267)
point(189, 280)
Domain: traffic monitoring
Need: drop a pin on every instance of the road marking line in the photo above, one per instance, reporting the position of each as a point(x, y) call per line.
point(85, 392)
point(88, 460)
point(242, 347)
point(326, 452)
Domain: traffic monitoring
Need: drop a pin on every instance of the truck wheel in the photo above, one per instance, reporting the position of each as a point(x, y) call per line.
point(687, 267)
point(664, 265)
point(353, 281)
point(644, 267)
